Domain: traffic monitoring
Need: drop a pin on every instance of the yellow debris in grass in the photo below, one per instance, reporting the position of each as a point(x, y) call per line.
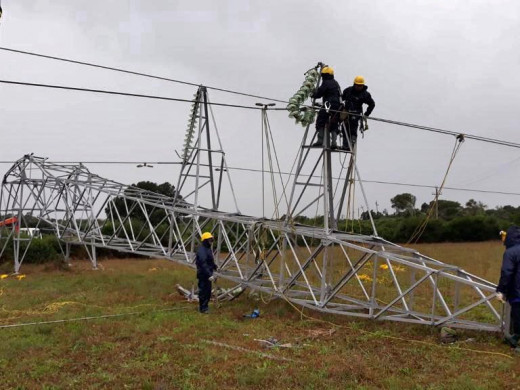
point(152, 269)
point(396, 268)
point(20, 277)
point(4, 276)
point(365, 278)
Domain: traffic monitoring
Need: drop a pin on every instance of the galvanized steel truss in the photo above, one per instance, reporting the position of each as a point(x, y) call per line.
point(334, 272)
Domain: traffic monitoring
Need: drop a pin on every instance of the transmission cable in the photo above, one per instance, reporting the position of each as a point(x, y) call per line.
point(121, 70)
point(289, 174)
point(398, 123)
point(107, 92)
point(404, 124)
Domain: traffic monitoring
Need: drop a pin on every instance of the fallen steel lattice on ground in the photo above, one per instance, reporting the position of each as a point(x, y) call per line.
point(335, 272)
point(316, 267)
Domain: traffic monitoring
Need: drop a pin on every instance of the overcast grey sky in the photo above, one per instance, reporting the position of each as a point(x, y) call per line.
point(447, 64)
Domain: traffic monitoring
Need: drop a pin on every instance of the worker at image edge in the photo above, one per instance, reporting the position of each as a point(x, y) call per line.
point(509, 285)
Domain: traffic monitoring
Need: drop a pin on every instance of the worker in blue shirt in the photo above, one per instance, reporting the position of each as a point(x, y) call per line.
point(509, 284)
point(205, 267)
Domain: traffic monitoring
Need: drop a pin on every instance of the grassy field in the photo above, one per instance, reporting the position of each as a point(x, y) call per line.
point(168, 345)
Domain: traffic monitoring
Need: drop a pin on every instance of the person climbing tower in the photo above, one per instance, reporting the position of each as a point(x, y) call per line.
point(353, 99)
point(330, 92)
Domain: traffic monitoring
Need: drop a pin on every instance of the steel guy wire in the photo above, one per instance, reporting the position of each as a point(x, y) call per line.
point(419, 230)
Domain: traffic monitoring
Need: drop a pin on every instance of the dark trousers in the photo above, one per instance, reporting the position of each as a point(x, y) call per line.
point(515, 318)
point(324, 117)
point(204, 293)
point(351, 128)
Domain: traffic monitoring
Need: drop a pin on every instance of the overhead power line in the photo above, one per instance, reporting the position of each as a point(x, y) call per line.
point(282, 173)
point(147, 75)
point(102, 91)
point(397, 123)
point(411, 125)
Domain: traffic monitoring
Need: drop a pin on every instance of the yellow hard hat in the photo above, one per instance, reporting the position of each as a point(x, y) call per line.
point(503, 235)
point(360, 80)
point(206, 236)
point(327, 70)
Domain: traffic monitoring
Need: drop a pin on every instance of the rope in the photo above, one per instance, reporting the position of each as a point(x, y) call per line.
point(18, 325)
point(416, 235)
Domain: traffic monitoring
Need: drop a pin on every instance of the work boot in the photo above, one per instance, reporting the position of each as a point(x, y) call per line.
point(512, 340)
point(319, 142)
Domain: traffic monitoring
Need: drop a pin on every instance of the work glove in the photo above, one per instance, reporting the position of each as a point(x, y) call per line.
point(212, 278)
point(501, 297)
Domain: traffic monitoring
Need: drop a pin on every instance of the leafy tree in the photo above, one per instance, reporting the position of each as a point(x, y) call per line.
point(449, 209)
point(403, 203)
point(474, 208)
point(156, 215)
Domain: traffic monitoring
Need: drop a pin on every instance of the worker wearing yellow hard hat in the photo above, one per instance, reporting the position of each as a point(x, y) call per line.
point(330, 92)
point(353, 99)
point(508, 288)
point(206, 266)
point(206, 236)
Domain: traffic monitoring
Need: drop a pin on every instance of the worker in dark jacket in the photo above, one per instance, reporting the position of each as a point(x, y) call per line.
point(205, 266)
point(509, 284)
point(330, 92)
point(353, 99)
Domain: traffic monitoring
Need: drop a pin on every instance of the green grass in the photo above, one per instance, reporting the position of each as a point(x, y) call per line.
point(165, 349)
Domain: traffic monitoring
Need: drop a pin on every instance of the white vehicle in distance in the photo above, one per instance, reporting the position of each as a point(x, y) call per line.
point(31, 232)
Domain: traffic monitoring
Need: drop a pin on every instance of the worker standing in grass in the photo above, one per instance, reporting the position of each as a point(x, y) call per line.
point(509, 284)
point(353, 99)
point(205, 266)
point(330, 92)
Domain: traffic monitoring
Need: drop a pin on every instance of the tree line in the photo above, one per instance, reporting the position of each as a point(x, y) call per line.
point(445, 220)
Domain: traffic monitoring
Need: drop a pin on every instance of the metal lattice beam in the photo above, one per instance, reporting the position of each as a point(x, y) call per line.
point(330, 271)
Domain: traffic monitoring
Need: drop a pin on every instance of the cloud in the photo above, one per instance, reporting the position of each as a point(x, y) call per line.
point(443, 64)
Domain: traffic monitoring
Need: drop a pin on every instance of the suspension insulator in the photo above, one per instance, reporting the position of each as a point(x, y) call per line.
point(301, 115)
point(192, 122)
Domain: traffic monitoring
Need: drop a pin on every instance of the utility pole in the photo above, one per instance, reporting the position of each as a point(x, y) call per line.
point(436, 202)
